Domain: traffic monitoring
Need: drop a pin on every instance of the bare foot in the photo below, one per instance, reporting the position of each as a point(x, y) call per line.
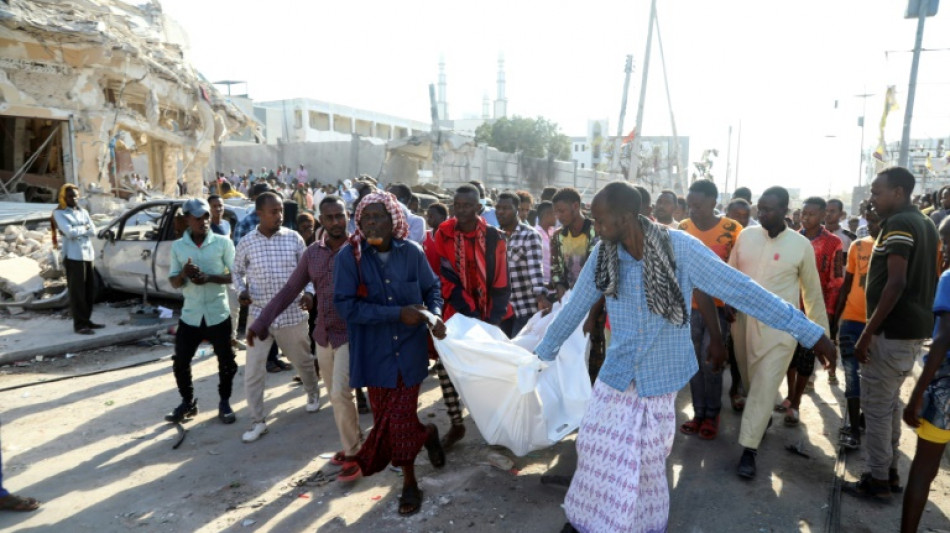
point(454, 435)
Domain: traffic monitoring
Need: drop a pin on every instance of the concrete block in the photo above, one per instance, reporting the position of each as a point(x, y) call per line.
point(20, 275)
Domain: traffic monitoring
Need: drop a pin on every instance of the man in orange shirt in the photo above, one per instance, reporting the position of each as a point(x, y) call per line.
point(709, 327)
point(852, 308)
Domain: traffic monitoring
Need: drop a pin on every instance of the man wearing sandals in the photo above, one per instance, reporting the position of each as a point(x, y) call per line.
point(783, 262)
point(382, 287)
point(900, 298)
point(329, 332)
point(12, 502)
point(647, 274)
point(719, 234)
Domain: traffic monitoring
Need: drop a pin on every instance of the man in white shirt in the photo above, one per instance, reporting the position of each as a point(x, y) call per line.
point(77, 229)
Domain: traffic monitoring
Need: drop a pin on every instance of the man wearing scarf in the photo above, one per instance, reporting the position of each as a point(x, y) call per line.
point(383, 287)
point(74, 224)
point(473, 269)
point(647, 274)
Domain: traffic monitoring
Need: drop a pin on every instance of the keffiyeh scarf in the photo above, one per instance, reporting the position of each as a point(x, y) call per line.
point(400, 226)
point(663, 293)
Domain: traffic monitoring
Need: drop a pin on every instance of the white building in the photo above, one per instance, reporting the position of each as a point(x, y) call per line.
point(591, 150)
point(309, 120)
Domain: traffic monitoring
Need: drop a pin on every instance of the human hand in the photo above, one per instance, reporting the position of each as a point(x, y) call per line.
point(717, 356)
point(438, 330)
point(190, 269)
point(306, 301)
point(913, 408)
point(825, 352)
point(250, 337)
point(544, 305)
point(560, 292)
point(861, 348)
point(730, 313)
point(411, 315)
point(245, 298)
point(200, 279)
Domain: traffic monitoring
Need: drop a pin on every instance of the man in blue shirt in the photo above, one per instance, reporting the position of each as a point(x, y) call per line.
point(647, 274)
point(77, 229)
point(201, 263)
point(384, 289)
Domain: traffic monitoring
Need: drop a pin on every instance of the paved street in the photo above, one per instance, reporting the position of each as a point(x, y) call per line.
point(96, 451)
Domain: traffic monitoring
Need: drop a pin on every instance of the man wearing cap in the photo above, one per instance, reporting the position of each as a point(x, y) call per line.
point(201, 265)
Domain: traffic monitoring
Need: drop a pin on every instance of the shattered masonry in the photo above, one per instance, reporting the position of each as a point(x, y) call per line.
point(108, 85)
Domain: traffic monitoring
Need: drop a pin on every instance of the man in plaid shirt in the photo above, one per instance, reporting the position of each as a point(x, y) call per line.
point(526, 278)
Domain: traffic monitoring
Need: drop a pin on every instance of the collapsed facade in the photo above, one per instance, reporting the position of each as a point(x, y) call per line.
point(94, 90)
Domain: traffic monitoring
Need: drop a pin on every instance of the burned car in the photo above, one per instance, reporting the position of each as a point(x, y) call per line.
point(136, 246)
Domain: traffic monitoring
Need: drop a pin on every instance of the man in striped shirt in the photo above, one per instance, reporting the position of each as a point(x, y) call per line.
point(265, 259)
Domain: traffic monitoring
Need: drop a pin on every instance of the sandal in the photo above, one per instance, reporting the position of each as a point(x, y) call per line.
point(351, 472)
point(691, 427)
point(782, 407)
point(434, 447)
point(338, 458)
point(709, 428)
point(410, 501)
point(12, 502)
point(738, 402)
point(791, 417)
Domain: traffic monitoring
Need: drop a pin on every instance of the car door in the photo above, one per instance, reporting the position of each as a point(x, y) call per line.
point(172, 231)
point(128, 257)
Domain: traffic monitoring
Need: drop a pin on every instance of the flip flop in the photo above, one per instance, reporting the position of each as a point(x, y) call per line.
point(738, 402)
point(12, 502)
point(434, 448)
point(338, 458)
point(791, 417)
point(351, 472)
point(782, 407)
point(709, 428)
point(691, 427)
point(412, 497)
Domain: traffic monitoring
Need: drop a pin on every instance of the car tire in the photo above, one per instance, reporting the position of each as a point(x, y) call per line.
point(100, 290)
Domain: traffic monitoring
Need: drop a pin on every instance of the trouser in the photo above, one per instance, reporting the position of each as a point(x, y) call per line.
point(706, 385)
point(763, 354)
point(848, 334)
point(81, 282)
point(734, 366)
point(336, 376)
point(598, 347)
point(3, 491)
point(311, 323)
point(449, 395)
point(295, 344)
point(514, 325)
point(891, 360)
point(235, 308)
point(187, 340)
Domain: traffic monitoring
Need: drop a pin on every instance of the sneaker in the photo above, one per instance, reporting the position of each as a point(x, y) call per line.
point(255, 432)
point(747, 464)
point(283, 366)
point(225, 413)
point(273, 367)
point(832, 378)
point(238, 345)
point(313, 403)
point(850, 442)
point(185, 410)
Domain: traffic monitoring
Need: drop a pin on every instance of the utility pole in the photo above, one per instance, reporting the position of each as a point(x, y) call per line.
point(924, 9)
point(628, 69)
point(864, 105)
point(728, 160)
point(635, 149)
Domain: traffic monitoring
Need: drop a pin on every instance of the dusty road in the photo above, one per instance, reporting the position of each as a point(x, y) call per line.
point(96, 450)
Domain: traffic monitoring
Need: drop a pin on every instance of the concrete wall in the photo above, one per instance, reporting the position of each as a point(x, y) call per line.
point(325, 162)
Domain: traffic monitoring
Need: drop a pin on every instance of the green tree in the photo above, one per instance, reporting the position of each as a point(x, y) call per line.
point(535, 137)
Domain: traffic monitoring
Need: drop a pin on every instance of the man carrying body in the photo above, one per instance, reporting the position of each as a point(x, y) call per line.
point(524, 265)
point(201, 263)
point(473, 272)
point(828, 261)
point(647, 274)
point(382, 286)
point(663, 211)
point(719, 234)
point(783, 262)
point(329, 332)
point(77, 229)
point(851, 308)
point(900, 295)
point(265, 259)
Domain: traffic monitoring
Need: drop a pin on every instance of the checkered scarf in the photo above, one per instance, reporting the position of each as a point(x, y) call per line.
point(400, 226)
point(663, 293)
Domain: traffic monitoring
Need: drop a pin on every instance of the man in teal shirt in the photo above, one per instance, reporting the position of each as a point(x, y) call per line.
point(201, 265)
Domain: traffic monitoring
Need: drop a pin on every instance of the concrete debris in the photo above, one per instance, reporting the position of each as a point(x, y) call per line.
point(108, 85)
point(20, 277)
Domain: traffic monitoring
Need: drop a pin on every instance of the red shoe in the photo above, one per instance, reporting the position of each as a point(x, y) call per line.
point(338, 458)
point(351, 472)
point(709, 429)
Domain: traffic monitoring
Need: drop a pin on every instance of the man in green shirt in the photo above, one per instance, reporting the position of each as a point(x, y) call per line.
point(900, 288)
point(201, 265)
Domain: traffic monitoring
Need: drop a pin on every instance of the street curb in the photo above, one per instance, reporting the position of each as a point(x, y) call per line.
point(91, 342)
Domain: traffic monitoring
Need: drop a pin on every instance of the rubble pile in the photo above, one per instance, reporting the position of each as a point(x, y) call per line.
point(30, 270)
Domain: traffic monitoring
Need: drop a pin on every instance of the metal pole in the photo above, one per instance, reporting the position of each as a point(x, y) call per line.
point(738, 151)
point(628, 69)
point(638, 132)
point(912, 86)
point(728, 161)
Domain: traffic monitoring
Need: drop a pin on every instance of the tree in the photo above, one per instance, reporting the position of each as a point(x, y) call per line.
point(534, 137)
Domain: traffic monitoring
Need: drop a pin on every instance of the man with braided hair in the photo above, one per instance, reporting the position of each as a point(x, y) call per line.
point(383, 287)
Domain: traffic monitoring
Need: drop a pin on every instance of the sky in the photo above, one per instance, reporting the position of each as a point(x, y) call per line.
point(785, 73)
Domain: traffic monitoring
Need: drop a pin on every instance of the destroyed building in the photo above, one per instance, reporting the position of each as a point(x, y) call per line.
point(94, 90)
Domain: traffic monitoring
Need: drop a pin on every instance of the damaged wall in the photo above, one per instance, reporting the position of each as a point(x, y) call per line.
point(326, 162)
point(118, 72)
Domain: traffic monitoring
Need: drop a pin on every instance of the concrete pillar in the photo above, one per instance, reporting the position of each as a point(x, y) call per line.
point(194, 174)
point(169, 178)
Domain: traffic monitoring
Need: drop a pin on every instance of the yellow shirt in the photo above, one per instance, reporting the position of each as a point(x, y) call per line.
point(574, 250)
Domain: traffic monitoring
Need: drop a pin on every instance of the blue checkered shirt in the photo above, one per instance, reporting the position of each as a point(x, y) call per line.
point(526, 278)
point(645, 348)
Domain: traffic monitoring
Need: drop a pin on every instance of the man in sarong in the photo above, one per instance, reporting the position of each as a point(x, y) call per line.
point(647, 274)
point(382, 287)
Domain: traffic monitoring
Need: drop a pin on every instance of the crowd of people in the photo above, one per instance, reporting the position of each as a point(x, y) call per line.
point(672, 291)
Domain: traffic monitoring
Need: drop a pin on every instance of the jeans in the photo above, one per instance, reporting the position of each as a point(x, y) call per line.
point(186, 342)
point(848, 335)
point(706, 384)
